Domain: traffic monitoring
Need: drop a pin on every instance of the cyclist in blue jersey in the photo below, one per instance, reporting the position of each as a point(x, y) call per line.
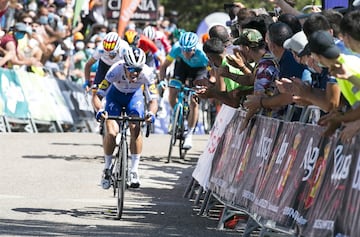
point(190, 65)
point(123, 87)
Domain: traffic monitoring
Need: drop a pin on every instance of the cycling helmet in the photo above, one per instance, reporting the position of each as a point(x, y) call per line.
point(111, 42)
point(131, 36)
point(149, 32)
point(188, 40)
point(134, 57)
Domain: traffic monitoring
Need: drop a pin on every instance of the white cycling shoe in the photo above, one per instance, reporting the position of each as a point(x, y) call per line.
point(134, 180)
point(188, 142)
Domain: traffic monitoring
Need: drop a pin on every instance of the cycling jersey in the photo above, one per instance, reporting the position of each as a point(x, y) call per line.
point(199, 58)
point(116, 77)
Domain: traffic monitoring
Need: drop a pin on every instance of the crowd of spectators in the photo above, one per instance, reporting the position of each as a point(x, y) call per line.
point(43, 36)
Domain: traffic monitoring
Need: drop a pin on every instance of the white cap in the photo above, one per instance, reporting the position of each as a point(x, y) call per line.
point(296, 43)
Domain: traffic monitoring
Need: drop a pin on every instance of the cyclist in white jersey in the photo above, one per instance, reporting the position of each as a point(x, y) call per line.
point(112, 51)
point(123, 87)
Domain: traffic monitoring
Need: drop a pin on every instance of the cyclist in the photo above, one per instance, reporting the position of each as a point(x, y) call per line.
point(159, 38)
point(112, 51)
point(149, 47)
point(191, 64)
point(123, 89)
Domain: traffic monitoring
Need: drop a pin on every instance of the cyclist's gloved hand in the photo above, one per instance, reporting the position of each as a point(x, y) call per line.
point(86, 84)
point(100, 115)
point(150, 117)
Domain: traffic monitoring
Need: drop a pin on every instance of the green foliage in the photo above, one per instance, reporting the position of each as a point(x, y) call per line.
point(192, 12)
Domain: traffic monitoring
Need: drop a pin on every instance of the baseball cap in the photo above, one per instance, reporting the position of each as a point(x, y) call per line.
point(250, 37)
point(21, 27)
point(296, 43)
point(322, 43)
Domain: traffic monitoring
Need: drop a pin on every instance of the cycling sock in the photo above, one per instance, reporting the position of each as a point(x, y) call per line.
point(135, 160)
point(190, 131)
point(108, 159)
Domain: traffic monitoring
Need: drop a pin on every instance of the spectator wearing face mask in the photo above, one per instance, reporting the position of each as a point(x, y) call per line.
point(79, 59)
point(10, 55)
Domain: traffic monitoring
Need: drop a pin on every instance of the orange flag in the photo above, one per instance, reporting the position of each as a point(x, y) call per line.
point(128, 8)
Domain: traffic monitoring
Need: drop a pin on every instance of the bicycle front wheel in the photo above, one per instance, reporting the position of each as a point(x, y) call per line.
point(174, 130)
point(122, 178)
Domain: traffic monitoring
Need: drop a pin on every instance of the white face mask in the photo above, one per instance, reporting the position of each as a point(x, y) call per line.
point(80, 45)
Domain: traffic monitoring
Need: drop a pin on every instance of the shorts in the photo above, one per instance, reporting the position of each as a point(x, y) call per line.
point(132, 102)
point(183, 71)
point(102, 69)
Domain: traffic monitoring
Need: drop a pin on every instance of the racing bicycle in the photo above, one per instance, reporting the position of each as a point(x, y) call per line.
point(119, 167)
point(180, 114)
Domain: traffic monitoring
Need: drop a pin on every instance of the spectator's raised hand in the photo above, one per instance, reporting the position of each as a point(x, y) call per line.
point(332, 121)
point(253, 102)
point(285, 86)
point(237, 59)
point(350, 130)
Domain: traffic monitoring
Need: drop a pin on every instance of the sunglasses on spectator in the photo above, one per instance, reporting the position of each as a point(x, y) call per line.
point(187, 50)
point(134, 69)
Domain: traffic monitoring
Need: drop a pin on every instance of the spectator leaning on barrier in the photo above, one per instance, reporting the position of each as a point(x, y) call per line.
point(323, 92)
point(9, 45)
point(215, 51)
point(323, 48)
point(265, 73)
point(275, 37)
point(350, 31)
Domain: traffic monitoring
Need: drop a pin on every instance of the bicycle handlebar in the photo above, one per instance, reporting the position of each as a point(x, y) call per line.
point(130, 119)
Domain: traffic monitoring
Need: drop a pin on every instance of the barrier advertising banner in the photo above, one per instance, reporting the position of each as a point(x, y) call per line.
point(76, 100)
point(254, 160)
point(12, 99)
point(45, 100)
point(227, 156)
point(323, 219)
point(203, 167)
point(350, 209)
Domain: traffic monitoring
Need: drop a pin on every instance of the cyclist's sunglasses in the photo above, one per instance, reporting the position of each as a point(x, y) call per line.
point(134, 69)
point(187, 50)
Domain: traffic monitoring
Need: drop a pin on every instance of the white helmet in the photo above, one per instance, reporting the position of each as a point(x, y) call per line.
point(134, 57)
point(111, 42)
point(149, 32)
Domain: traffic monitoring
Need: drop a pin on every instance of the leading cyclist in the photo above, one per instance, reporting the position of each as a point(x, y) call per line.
point(191, 64)
point(123, 89)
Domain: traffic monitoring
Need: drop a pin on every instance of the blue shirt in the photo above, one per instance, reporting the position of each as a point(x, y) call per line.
point(290, 68)
point(199, 58)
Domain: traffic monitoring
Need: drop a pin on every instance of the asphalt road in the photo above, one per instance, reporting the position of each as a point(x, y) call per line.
point(49, 186)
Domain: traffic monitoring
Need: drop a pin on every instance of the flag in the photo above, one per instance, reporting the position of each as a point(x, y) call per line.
point(128, 8)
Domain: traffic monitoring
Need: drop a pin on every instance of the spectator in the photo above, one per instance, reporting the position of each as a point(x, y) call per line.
point(9, 45)
point(292, 21)
point(324, 92)
point(232, 96)
point(266, 72)
point(323, 48)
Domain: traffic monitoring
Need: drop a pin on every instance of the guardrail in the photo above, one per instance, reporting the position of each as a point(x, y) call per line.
point(285, 175)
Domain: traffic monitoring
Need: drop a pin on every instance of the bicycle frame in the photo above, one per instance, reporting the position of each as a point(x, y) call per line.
point(180, 113)
point(119, 167)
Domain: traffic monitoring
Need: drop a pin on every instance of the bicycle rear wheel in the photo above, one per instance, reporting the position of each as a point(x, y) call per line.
point(122, 178)
point(174, 131)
